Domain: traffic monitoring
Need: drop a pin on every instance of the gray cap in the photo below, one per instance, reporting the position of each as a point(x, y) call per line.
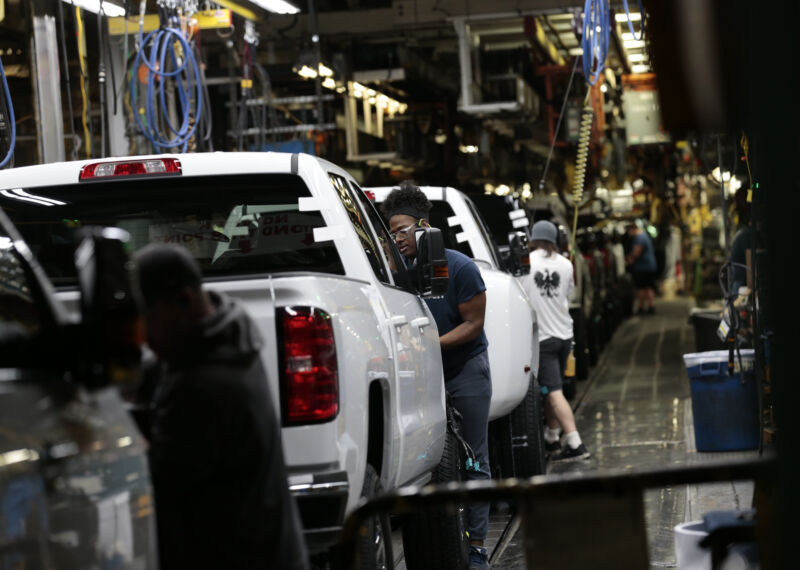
point(544, 231)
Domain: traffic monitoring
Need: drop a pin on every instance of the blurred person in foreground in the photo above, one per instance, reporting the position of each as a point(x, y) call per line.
point(219, 478)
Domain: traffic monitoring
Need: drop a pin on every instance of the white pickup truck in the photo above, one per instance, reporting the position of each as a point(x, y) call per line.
point(516, 428)
point(352, 351)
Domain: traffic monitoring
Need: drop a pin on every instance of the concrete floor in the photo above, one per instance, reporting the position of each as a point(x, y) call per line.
point(635, 412)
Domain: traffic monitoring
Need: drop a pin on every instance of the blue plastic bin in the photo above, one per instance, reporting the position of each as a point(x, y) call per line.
point(725, 408)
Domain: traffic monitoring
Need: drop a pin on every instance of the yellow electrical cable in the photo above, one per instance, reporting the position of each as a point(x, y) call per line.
point(82, 60)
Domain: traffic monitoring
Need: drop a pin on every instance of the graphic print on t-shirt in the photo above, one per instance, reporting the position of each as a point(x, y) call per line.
point(547, 282)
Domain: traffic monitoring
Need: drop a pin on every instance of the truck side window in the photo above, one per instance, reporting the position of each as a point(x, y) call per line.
point(392, 255)
point(487, 235)
point(367, 239)
point(19, 314)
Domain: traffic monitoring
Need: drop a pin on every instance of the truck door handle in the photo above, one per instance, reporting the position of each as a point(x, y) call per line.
point(420, 322)
point(398, 320)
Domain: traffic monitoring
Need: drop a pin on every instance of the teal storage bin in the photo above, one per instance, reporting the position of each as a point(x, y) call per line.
point(724, 408)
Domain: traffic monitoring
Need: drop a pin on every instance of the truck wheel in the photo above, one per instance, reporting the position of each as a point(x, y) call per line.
point(437, 537)
point(581, 356)
point(375, 545)
point(527, 429)
point(501, 448)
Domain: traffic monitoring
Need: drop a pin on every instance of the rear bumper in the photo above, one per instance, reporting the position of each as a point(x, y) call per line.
point(321, 499)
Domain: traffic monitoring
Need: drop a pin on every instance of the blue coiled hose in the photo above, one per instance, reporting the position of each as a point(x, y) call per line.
point(156, 50)
point(595, 38)
point(11, 119)
point(630, 25)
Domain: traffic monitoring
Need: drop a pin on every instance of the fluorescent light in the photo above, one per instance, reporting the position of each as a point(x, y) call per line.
point(640, 68)
point(634, 57)
point(325, 71)
point(626, 36)
point(277, 6)
point(623, 17)
point(576, 51)
point(468, 148)
point(307, 72)
point(633, 44)
point(109, 9)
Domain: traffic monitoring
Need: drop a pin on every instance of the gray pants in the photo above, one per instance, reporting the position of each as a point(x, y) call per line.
point(470, 393)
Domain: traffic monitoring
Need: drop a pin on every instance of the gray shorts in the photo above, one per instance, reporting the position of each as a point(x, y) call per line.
point(553, 354)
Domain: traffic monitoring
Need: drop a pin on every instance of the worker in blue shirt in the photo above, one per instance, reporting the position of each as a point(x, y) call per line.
point(459, 317)
point(643, 267)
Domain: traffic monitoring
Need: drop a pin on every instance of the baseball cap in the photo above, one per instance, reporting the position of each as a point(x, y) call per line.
point(544, 231)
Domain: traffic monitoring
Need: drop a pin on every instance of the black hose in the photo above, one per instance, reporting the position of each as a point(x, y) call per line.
point(101, 79)
point(65, 63)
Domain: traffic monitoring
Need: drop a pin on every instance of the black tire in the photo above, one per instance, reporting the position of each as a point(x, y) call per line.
point(375, 545)
point(501, 449)
point(436, 539)
point(569, 388)
point(581, 354)
point(527, 429)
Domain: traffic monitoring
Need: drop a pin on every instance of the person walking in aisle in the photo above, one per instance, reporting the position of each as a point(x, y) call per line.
point(549, 285)
point(643, 266)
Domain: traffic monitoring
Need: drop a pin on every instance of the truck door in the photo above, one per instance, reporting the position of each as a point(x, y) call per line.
point(417, 412)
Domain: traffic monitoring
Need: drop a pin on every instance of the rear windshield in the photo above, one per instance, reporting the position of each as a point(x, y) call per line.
point(233, 225)
point(439, 214)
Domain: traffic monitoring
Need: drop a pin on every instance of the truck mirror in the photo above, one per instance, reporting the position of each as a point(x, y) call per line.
point(432, 272)
point(519, 260)
point(112, 319)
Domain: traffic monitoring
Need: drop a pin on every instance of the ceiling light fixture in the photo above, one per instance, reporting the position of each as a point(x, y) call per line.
point(277, 6)
point(640, 68)
point(576, 51)
point(380, 100)
point(633, 44)
point(622, 17)
point(109, 9)
point(636, 57)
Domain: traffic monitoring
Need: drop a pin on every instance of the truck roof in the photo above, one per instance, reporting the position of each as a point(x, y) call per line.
point(192, 164)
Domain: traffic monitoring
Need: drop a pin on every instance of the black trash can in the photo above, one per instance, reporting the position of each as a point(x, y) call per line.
point(706, 322)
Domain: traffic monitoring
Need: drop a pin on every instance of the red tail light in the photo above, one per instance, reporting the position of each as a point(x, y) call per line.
point(310, 385)
point(102, 170)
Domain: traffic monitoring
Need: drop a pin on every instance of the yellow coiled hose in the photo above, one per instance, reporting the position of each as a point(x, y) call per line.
point(584, 134)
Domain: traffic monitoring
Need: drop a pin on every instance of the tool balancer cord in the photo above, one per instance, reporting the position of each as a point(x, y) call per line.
point(157, 50)
point(12, 121)
point(630, 25)
point(595, 38)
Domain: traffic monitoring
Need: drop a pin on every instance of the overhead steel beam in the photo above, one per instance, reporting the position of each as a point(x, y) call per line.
point(46, 84)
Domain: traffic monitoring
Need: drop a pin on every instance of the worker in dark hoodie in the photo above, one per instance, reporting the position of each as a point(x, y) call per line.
point(221, 493)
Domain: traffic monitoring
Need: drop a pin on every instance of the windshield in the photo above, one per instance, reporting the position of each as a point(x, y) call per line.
point(439, 214)
point(233, 225)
